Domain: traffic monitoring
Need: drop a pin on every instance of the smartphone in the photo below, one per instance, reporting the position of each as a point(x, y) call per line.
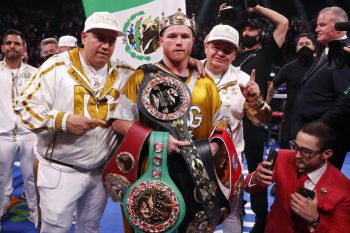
point(307, 193)
point(271, 157)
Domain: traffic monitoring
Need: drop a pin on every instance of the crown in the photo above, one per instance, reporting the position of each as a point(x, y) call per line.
point(177, 19)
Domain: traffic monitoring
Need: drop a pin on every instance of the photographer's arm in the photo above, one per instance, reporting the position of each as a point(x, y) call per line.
point(277, 19)
point(223, 6)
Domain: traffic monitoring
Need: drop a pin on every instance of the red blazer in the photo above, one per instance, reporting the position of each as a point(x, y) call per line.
point(333, 193)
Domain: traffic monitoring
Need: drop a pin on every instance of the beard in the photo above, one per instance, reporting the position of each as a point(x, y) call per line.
point(13, 55)
point(306, 56)
point(249, 41)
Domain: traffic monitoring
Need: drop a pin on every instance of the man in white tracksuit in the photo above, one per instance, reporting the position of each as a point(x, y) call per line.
point(239, 95)
point(15, 139)
point(68, 104)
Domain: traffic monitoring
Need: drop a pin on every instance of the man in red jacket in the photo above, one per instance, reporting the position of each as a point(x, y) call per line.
point(329, 210)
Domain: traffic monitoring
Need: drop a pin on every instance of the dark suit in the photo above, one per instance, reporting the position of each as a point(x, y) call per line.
point(333, 194)
point(323, 97)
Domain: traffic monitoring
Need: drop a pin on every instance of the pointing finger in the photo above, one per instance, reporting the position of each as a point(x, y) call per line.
point(252, 75)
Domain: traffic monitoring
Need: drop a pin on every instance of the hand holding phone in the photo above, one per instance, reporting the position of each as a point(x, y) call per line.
point(307, 193)
point(271, 157)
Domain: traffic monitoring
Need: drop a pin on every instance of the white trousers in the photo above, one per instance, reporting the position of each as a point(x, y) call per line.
point(234, 222)
point(62, 191)
point(8, 151)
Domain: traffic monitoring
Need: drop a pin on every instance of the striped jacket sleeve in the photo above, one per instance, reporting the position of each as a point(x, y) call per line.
point(35, 104)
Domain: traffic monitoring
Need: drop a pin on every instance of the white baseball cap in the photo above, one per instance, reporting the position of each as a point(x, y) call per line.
point(103, 20)
point(224, 33)
point(69, 41)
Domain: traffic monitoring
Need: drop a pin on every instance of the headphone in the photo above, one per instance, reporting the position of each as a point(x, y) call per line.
point(263, 25)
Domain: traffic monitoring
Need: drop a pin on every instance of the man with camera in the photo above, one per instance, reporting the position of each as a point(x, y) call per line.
point(259, 50)
point(311, 194)
point(324, 93)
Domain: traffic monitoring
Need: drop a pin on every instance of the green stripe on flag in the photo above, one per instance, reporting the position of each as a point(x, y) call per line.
point(91, 6)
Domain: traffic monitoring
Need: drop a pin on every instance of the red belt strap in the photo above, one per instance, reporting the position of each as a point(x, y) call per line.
point(227, 164)
point(121, 170)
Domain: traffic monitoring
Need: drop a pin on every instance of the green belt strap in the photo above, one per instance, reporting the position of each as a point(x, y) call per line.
point(154, 203)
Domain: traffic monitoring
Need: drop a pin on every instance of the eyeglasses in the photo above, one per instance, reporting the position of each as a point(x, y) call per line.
point(304, 152)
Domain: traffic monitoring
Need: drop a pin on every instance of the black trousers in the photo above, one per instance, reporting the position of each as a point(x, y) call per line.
point(255, 138)
point(285, 132)
point(341, 147)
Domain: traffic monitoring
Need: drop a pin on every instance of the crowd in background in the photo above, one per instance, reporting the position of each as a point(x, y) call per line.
point(68, 19)
point(254, 53)
point(51, 21)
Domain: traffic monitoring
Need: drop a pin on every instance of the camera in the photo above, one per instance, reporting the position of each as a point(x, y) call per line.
point(337, 57)
point(342, 26)
point(235, 13)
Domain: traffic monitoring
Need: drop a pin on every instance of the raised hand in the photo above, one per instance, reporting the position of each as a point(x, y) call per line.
point(262, 174)
point(251, 90)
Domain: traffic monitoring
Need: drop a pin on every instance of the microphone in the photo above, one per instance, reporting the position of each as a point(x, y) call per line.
point(342, 26)
point(103, 100)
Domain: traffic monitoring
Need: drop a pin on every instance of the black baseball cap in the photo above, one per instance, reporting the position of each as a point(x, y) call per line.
point(258, 23)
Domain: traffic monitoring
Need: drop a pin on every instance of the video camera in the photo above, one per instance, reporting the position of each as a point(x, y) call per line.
point(236, 12)
point(342, 26)
point(337, 57)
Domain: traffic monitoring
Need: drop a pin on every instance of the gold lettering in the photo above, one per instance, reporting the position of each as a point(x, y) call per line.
point(96, 109)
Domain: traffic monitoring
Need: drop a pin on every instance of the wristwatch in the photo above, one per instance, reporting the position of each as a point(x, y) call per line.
point(314, 222)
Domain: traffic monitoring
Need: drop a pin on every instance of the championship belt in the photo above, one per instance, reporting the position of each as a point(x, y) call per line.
point(227, 165)
point(165, 100)
point(121, 170)
point(201, 223)
point(154, 203)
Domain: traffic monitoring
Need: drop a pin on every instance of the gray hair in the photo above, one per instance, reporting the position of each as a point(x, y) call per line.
point(339, 13)
point(50, 40)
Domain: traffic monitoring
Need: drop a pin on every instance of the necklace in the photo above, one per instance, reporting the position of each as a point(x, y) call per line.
point(96, 82)
point(14, 87)
point(250, 56)
point(97, 76)
point(221, 76)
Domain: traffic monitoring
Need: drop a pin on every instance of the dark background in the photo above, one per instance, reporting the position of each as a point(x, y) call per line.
point(39, 19)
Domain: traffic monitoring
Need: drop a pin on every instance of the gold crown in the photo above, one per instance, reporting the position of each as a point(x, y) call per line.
point(177, 19)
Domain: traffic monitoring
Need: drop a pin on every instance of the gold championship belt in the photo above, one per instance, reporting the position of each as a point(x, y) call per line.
point(165, 101)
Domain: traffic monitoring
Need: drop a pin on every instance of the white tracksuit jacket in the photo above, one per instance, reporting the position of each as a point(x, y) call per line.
point(10, 87)
point(60, 88)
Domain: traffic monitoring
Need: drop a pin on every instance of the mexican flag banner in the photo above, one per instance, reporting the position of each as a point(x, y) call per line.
point(139, 20)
